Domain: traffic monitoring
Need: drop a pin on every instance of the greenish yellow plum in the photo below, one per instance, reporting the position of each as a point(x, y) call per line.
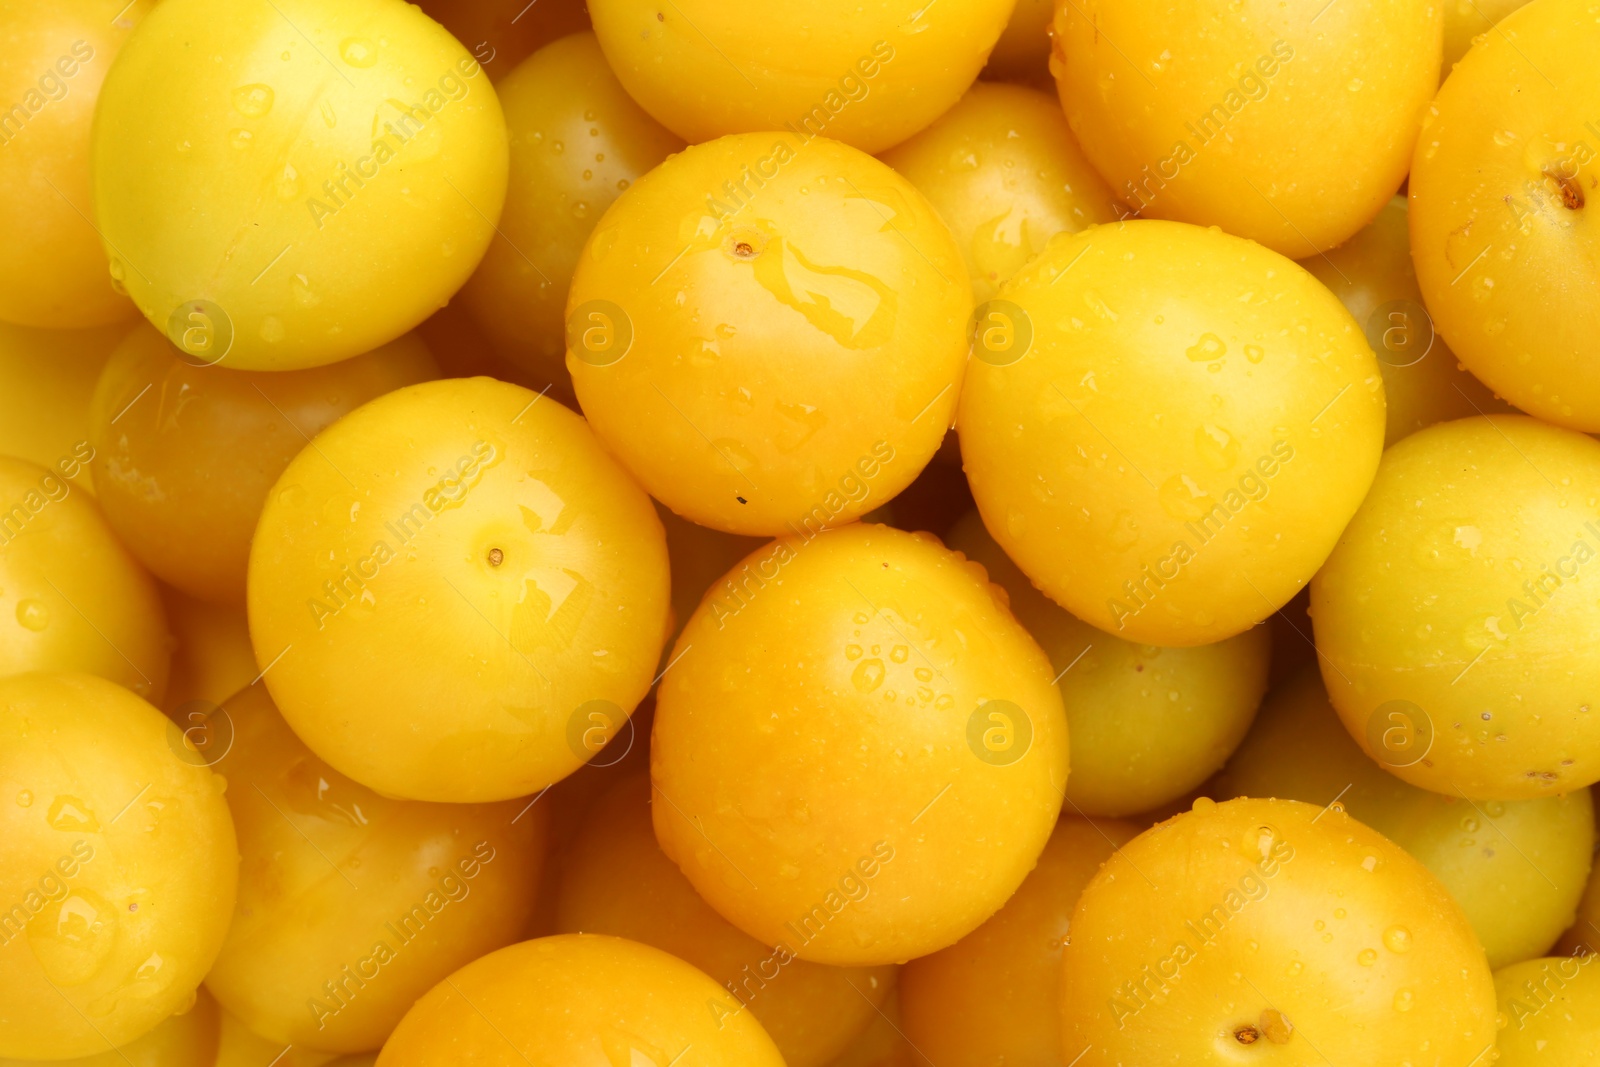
point(1552, 1012)
point(617, 881)
point(994, 996)
point(1002, 169)
point(53, 269)
point(1147, 723)
point(352, 905)
point(71, 597)
point(502, 35)
point(1166, 427)
point(579, 998)
point(858, 754)
point(1516, 867)
point(869, 73)
point(185, 454)
point(577, 141)
point(118, 866)
point(185, 1039)
point(463, 557)
point(47, 380)
point(339, 167)
point(1503, 199)
point(1285, 124)
point(1453, 620)
point(790, 358)
point(1276, 922)
point(1022, 54)
point(1373, 276)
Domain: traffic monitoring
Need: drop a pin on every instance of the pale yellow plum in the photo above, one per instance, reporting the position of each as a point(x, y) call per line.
point(53, 60)
point(1454, 618)
point(1288, 124)
point(320, 182)
point(994, 996)
point(858, 754)
point(1002, 169)
point(185, 453)
point(1275, 924)
point(185, 1039)
point(352, 905)
point(1503, 192)
point(577, 141)
point(464, 557)
point(1166, 427)
point(1552, 1012)
point(579, 998)
point(118, 867)
point(789, 359)
point(869, 74)
point(1373, 277)
point(616, 880)
point(1148, 723)
point(1516, 867)
point(71, 597)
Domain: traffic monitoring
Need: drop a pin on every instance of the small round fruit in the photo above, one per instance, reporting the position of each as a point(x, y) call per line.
point(1003, 171)
point(577, 141)
point(1552, 1012)
point(71, 598)
point(1285, 125)
point(1167, 427)
point(995, 995)
point(1516, 867)
point(1504, 190)
point(117, 863)
point(1276, 922)
point(185, 455)
point(869, 74)
point(1372, 276)
point(1022, 54)
point(859, 754)
point(53, 268)
point(323, 180)
point(579, 998)
point(188, 1039)
point(47, 380)
point(1453, 620)
point(462, 558)
point(352, 905)
point(502, 35)
point(781, 355)
point(1147, 723)
point(617, 881)
point(700, 557)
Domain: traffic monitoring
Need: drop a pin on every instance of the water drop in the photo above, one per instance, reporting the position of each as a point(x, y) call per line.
point(1209, 347)
point(1403, 1000)
point(1254, 353)
point(253, 101)
point(33, 615)
point(1367, 957)
point(25, 799)
point(71, 814)
point(1397, 939)
point(241, 138)
point(868, 675)
point(358, 52)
